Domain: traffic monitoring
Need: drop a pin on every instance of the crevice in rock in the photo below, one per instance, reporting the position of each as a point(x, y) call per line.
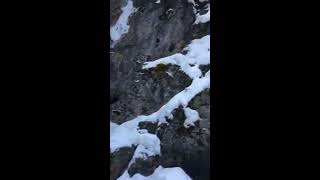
point(171, 48)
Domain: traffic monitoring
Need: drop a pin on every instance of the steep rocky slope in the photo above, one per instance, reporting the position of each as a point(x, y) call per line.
point(143, 31)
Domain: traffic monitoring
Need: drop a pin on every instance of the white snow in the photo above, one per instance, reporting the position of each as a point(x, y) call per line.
point(113, 126)
point(203, 18)
point(158, 2)
point(182, 98)
point(191, 117)
point(127, 134)
point(175, 173)
point(160, 173)
point(121, 27)
point(198, 54)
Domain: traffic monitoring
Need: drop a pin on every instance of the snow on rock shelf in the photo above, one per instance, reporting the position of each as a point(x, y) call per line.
point(195, 55)
point(127, 134)
point(198, 54)
point(160, 173)
point(121, 27)
point(191, 117)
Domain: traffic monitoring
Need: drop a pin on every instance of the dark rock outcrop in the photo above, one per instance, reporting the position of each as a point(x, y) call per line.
point(144, 166)
point(186, 148)
point(119, 161)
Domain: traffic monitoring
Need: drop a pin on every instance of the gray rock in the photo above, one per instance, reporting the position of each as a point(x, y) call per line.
point(119, 161)
point(187, 148)
point(151, 127)
point(144, 166)
point(115, 11)
point(202, 104)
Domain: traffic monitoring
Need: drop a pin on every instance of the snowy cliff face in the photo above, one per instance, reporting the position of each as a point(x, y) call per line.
point(160, 80)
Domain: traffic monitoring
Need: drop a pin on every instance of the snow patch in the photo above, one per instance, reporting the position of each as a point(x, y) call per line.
point(128, 133)
point(203, 18)
point(191, 117)
point(182, 99)
point(174, 173)
point(198, 54)
point(122, 27)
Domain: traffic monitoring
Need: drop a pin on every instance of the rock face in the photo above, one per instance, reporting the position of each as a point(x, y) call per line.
point(135, 91)
point(186, 148)
point(119, 161)
point(115, 11)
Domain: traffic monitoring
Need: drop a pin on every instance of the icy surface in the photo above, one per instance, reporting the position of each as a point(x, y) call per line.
point(113, 126)
point(204, 18)
point(122, 27)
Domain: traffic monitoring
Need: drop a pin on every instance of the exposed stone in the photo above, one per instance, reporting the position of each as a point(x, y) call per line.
point(119, 161)
point(204, 68)
point(187, 148)
point(202, 104)
point(144, 166)
point(151, 127)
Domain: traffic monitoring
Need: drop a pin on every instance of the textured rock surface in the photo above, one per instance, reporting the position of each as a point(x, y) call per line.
point(186, 148)
point(202, 104)
point(119, 162)
point(141, 92)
